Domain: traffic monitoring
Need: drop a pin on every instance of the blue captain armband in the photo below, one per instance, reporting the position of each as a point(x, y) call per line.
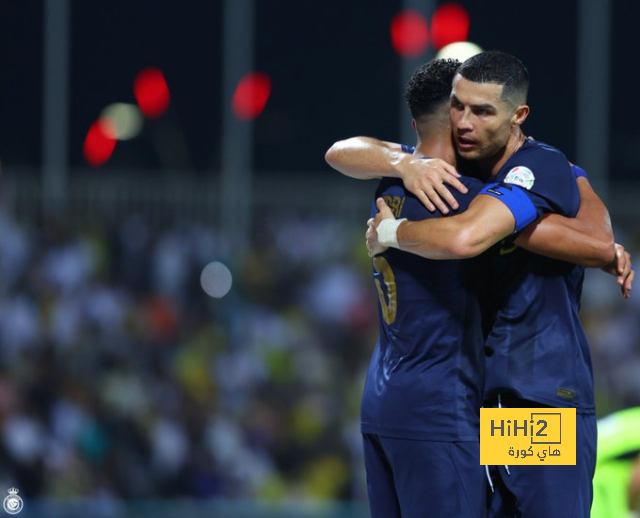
point(578, 171)
point(520, 205)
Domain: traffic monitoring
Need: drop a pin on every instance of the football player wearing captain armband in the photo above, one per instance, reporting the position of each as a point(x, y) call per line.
point(421, 401)
point(537, 354)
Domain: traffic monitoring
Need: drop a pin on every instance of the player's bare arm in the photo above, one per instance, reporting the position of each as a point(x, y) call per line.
point(586, 239)
point(484, 223)
point(487, 221)
point(365, 158)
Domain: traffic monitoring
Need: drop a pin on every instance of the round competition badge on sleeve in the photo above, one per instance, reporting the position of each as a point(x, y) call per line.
point(521, 176)
point(13, 503)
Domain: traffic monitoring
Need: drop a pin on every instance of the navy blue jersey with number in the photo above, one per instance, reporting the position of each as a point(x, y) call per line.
point(425, 376)
point(536, 346)
point(426, 373)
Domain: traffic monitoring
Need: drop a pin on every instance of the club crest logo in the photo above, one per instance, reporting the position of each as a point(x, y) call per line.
point(13, 503)
point(521, 176)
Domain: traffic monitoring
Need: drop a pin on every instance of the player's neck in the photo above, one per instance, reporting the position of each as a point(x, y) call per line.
point(495, 163)
point(437, 146)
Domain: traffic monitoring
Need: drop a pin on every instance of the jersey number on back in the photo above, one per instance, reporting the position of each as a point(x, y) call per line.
point(388, 304)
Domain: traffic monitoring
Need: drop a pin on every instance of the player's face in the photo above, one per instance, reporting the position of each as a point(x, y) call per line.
point(481, 121)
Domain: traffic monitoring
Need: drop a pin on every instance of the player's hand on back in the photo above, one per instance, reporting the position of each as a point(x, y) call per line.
point(384, 212)
point(622, 269)
point(373, 247)
point(426, 179)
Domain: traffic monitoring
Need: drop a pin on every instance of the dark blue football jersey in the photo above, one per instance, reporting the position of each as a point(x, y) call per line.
point(426, 373)
point(425, 376)
point(536, 346)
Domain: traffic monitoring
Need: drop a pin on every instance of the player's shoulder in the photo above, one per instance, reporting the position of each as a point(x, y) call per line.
point(535, 161)
point(394, 192)
point(473, 184)
point(403, 203)
point(540, 152)
point(391, 186)
point(396, 185)
point(540, 146)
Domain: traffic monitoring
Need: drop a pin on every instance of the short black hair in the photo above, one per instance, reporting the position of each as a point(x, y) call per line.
point(501, 68)
point(430, 86)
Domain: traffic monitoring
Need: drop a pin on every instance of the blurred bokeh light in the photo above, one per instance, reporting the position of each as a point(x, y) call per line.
point(216, 280)
point(461, 51)
point(251, 95)
point(99, 142)
point(450, 23)
point(409, 34)
point(151, 92)
point(125, 119)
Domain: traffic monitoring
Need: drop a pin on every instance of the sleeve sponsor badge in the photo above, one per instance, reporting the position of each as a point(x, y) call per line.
point(521, 176)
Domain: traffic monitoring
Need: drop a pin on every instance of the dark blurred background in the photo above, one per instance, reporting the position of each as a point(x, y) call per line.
point(333, 69)
point(186, 313)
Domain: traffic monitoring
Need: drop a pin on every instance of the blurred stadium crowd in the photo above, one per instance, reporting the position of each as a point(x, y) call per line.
point(121, 379)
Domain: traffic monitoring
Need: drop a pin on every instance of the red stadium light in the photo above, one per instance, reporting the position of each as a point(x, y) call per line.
point(450, 23)
point(99, 143)
point(151, 92)
point(409, 34)
point(251, 96)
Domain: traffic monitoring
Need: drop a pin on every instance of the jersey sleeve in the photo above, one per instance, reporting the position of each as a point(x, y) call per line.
point(545, 176)
point(516, 200)
point(578, 171)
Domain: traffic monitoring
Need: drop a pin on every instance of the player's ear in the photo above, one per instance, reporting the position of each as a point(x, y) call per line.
point(414, 124)
point(520, 115)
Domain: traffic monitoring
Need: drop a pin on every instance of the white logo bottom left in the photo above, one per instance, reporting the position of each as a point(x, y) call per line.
point(13, 503)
